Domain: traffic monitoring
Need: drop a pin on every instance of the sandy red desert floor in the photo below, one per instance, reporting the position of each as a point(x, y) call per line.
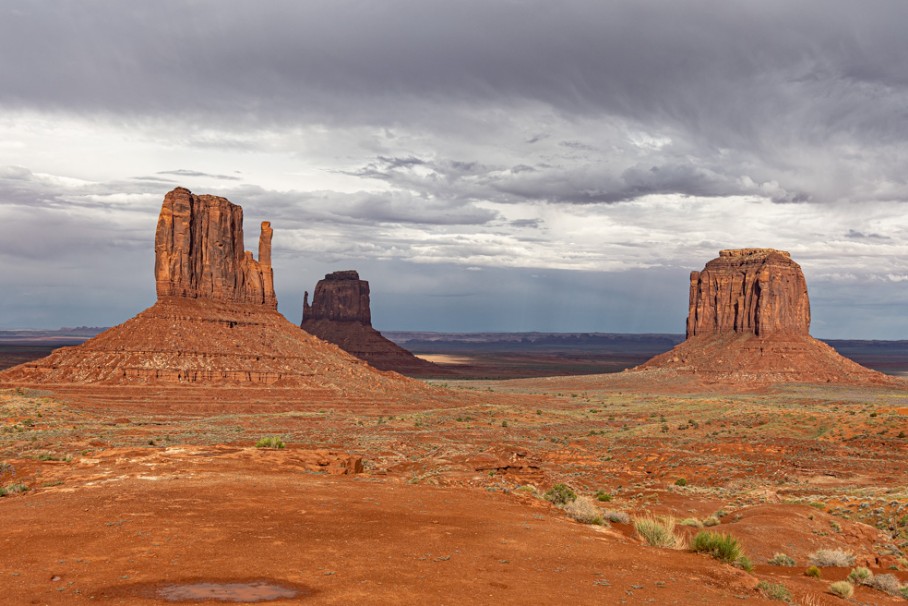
point(132, 495)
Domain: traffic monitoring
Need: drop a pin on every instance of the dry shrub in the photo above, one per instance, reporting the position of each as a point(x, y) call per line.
point(888, 583)
point(831, 557)
point(584, 510)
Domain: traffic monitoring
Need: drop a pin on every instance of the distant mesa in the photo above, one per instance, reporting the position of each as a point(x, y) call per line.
point(340, 313)
point(215, 321)
point(748, 322)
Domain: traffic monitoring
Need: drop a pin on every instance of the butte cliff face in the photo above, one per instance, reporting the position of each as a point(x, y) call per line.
point(340, 313)
point(199, 252)
point(751, 290)
point(748, 322)
point(340, 297)
point(215, 321)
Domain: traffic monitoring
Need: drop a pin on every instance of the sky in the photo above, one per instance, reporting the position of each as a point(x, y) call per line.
point(488, 165)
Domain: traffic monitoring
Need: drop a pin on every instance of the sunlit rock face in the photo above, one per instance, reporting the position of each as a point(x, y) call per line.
point(750, 290)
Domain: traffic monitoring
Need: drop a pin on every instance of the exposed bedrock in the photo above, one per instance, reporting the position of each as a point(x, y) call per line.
point(750, 290)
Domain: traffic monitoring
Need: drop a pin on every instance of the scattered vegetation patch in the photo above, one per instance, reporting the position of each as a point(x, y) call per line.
point(658, 532)
point(774, 591)
point(831, 557)
point(560, 494)
point(681, 482)
point(711, 521)
point(13, 489)
point(603, 496)
point(781, 559)
point(860, 575)
point(694, 522)
point(270, 442)
point(721, 546)
point(843, 589)
point(584, 510)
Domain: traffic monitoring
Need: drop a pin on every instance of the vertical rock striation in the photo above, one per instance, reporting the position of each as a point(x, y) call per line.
point(750, 290)
point(199, 252)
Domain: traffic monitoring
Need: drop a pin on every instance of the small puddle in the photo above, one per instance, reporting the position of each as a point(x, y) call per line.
point(258, 591)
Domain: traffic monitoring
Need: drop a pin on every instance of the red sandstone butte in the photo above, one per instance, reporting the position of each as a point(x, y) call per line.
point(340, 313)
point(215, 321)
point(755, 290)
point(748, 322)
point(199, 252)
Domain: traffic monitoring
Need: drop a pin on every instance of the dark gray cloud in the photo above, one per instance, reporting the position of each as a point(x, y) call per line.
point(509, 137)
point(746, 86)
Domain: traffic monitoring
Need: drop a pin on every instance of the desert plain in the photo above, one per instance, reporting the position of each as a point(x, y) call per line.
point(438, 496)
point(210, 451)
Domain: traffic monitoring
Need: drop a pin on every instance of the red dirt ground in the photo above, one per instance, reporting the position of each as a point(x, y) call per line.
point(132, 488)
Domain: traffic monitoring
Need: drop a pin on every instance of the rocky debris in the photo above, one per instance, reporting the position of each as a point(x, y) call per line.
point(340, 313)
point(199, 252)
point(749, 290)
point(215, 321)
point(748, 323)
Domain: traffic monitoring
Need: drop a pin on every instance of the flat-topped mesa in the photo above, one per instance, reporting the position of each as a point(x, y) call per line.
point(340, 297)
point(199, 252)
point(749, 290)
point(340, 314)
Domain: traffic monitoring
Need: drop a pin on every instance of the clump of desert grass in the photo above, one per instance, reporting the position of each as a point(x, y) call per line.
point(723, 547)
point(781, 559)
point(774, 591)
point(843, 589)
point(658, 531)
point(270, 442)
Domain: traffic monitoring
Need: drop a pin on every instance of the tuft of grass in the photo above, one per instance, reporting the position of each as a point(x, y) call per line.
point(720, 546)
point(603, 496)
point(584, 510)
point(617, 517)
point(694, 522)
point(814, 572)
point(270, 442)
point(560, 494)
point(774, 591)
point(843, 589)
point(860, 575)
point(780, 559)
point(831, 557)
point(711, 521)
point(658, 532)
point(744, 564)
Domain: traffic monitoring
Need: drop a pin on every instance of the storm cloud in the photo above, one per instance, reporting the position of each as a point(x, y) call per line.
point(514, 136)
